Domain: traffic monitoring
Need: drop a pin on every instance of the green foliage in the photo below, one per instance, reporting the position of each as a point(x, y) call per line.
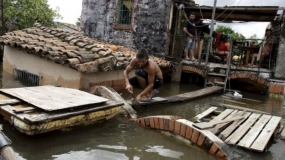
point(229, 30)
point(254, 38)
point(20, 14)
point(78, 22)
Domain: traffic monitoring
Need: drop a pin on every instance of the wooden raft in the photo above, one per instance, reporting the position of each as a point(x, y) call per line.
point(31, 119)
point(252, 132)
point(202, 138)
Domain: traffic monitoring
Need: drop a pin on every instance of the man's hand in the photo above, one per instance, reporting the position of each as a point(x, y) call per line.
point(139, 98)
point(129, 88)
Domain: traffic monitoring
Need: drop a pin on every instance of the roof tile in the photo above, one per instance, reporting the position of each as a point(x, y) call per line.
point(72, 49)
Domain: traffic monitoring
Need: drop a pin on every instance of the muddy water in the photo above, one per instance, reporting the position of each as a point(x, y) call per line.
point(122, 139)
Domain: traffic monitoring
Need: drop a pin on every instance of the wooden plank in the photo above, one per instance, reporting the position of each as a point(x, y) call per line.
point(223, 115)
point(194, 94)
point(262, 140)
point(41, 116)
point(52, 98)
point(225, 133)
point(154, 100)
point(248, 139)
point(238, 107)
point(219, 127)
point(203, 114)
point(238, 134)
point(9, 102)
point(205, 125)
point(21, 110)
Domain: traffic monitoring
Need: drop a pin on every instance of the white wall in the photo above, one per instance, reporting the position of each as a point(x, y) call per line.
point(52, 73)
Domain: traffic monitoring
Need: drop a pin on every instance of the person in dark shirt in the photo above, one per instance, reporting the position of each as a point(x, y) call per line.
point(190, 31)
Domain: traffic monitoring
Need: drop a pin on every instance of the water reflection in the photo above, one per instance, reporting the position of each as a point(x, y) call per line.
point(121, 139)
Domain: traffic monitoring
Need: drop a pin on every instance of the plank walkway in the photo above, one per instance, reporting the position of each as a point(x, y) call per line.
point(253, 132)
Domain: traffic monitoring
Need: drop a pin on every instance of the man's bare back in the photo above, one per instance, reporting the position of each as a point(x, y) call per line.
point(149, 67)
point(148, 75)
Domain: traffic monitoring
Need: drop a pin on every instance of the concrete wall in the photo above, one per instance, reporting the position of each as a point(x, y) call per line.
point(52, 73)
point(150, 24)
point(114, 79)
point(280, 65)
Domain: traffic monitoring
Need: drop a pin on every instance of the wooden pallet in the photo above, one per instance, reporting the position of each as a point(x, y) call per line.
point(253, 132)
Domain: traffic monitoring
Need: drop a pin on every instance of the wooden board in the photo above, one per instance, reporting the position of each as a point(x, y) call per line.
point(203, 114)
point(154, 100)
point(262, 140)
point(52, 98)
point(226, 132)
point(250, 136)
point(194, 94)
point(219, 127)
point(41, 116)
point(240, 132)
point(205, 125)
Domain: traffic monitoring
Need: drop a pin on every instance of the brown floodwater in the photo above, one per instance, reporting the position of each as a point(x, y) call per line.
point(122, 139)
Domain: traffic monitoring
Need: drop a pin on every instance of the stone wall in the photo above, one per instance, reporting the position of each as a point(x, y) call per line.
point(280, 65)
point(150, 23)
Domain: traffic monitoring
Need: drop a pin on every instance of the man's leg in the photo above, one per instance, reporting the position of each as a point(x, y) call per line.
point(186, 53)
point(262, 56)
point(253, 58)
point(141, 76)
point(192, 54)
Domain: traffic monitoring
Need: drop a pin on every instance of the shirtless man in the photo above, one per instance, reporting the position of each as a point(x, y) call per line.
point(266, 50)
point(148, 75)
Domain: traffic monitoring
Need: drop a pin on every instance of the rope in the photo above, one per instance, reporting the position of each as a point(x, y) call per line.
point(231, 11)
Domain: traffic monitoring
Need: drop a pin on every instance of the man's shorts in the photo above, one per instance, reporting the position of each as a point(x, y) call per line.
point(190, 43)
point(142, 73)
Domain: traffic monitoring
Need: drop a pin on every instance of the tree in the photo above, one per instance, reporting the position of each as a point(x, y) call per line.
point(254, 38)
point(229, 30)
point(78, 22)
point(20, 14)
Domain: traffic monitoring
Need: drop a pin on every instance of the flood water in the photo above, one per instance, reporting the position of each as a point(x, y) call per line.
point(123, 139)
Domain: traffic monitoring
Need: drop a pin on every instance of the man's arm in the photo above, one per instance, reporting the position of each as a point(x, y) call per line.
point(186, 31)
point(126, 76)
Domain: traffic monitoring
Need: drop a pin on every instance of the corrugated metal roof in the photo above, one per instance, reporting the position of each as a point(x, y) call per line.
point(237, 13)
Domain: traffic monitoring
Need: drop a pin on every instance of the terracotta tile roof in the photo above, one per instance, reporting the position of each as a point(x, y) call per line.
point(72, 49)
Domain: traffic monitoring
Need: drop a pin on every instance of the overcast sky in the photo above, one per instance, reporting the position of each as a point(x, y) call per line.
point(70, 10)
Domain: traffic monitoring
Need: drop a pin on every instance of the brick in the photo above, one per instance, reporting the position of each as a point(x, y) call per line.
point(201, 140)
point(171, 125)
point(161, 123)
point(183, 130)
point(151, 122)
point(189, 131)
point(195, 136)
point(166, 124)
point(177, 127)
point(156, 123)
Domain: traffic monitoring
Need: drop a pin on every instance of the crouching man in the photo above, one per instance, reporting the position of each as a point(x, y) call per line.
point(148, 76)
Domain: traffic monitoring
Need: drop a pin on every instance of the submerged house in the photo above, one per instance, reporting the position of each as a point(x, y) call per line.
point(158, 26)
point(51, 56)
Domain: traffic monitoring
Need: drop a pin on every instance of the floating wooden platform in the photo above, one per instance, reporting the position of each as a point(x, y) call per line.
point(35, 110)
point(202, 138)
point(252, 132)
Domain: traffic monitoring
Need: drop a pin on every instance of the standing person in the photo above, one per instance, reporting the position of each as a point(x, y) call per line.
point(148, 76)
point(190, 31)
